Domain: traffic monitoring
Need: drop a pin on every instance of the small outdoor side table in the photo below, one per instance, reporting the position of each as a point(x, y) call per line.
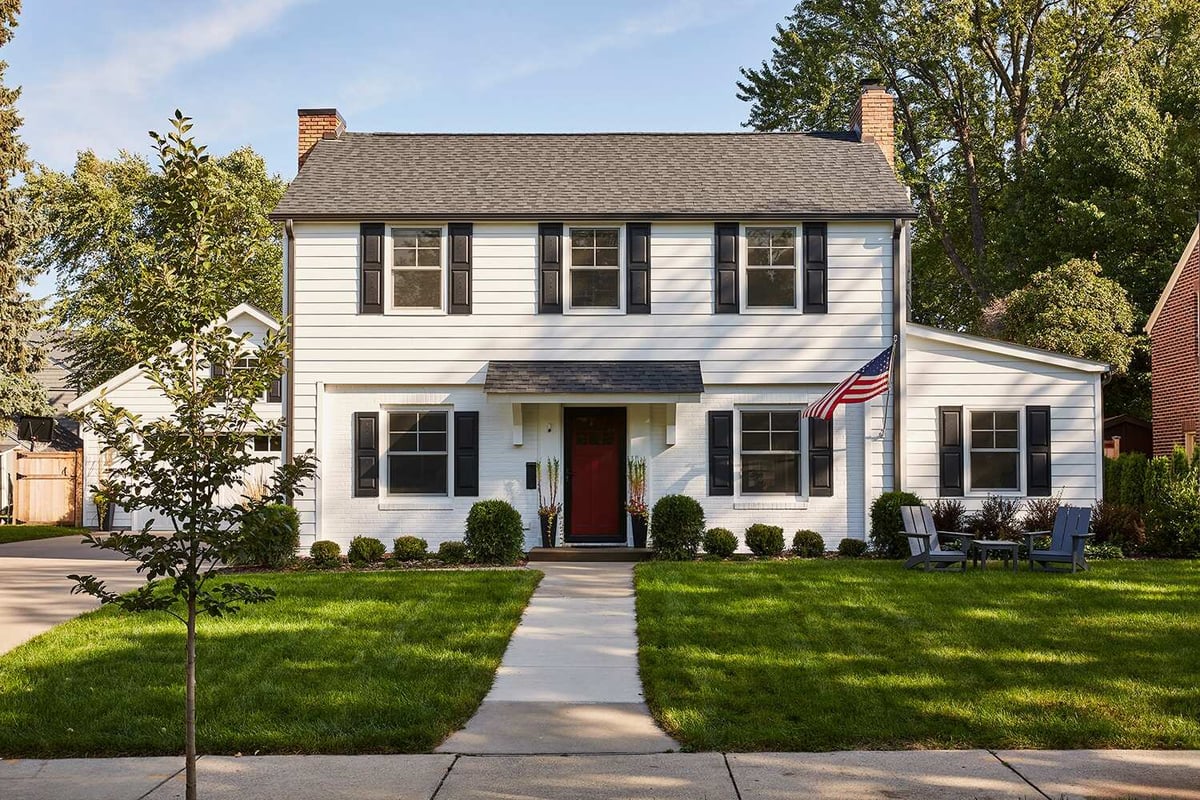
point(1006, 549)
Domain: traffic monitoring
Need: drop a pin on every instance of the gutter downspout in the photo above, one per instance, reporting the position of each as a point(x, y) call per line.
point(289, 299)
point(899, 330)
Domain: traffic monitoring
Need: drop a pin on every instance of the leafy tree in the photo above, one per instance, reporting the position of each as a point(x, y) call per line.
point(184, 462)
point(20, 356)
point(1071, 309)
point(112, 238)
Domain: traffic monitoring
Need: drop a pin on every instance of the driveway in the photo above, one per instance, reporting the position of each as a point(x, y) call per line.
point(35, 594)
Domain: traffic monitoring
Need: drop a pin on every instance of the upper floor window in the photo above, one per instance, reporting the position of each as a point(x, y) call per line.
point(770, 267)
point(417, 268)
point(417, 452)
point(770, 452)
point(995, 451)
point(595, 267)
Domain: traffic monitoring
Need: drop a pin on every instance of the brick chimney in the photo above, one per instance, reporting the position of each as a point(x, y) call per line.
point(316, 124)
point(874, 119)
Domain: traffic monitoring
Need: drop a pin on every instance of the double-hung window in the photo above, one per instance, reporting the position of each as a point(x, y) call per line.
point(268, 444)
point(771, 267)
point(995, 451)
point(770, 452)
point(596, 268)
point(417, 268)
point(417, 452)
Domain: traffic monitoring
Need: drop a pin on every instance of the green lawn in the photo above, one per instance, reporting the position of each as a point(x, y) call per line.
point(830, 655)
point(339, 663)
point(24, 533)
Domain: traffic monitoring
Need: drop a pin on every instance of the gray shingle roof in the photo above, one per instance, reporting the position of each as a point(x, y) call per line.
point(593, 377)
point(473, 176)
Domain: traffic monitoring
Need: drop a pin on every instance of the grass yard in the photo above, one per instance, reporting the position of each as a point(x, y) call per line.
point(24, 533)
point(831, 655)
point(374, 662)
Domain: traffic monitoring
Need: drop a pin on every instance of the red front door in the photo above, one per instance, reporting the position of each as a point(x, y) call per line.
point(595, 486)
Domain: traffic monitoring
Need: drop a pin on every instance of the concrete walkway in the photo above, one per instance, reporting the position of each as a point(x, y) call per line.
point(569, 679)
point(35, 594)
point(886, 775)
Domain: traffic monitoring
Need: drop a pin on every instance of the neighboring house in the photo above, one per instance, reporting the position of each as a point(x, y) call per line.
point(466, 305)
point(133, 391)
point(1174, 327)
point(1126, 433)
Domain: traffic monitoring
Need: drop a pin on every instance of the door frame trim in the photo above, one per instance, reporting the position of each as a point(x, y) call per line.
point(569, 414)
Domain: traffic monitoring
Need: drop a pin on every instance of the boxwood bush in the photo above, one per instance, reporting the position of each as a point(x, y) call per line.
point(325, 554)
point(410, 548)
point(676, 527)
point(720, 542)
point(365, 550)
point(852, 548)
point(887, 527)
point(453, 552)
point(268, 537)
point(808, 544)
point(764, 541)
point(494, 533)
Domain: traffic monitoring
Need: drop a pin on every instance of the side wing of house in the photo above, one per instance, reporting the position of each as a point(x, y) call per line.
point(985, 417)
point(133, 391)
point(1174, 329)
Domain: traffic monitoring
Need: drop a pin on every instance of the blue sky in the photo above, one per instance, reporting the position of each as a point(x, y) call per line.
point(99, 73)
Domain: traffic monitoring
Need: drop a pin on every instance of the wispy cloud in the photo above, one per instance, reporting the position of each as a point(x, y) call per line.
point(106, 97)
point(633, 31)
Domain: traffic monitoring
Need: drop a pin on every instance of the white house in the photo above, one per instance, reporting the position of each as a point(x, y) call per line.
point(134, 392)
point(466, 305)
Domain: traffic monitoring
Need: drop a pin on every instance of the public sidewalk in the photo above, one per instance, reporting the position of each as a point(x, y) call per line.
point(885, 775)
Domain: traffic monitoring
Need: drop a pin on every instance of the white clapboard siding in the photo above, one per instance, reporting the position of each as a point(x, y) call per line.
point(944, 374)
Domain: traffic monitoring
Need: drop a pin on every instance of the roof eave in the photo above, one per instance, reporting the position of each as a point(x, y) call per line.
point(1009, 348)
point(281, 216)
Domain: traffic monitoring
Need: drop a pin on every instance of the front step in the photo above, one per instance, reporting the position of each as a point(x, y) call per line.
point(590, 554)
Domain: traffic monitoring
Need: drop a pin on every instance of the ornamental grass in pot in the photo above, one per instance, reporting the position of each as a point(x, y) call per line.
point(548, 505)
point(639, 512)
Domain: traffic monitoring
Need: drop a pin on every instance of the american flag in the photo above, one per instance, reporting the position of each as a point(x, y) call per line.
point(870, 381)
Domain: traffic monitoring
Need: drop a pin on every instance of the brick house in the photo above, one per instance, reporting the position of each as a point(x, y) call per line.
point(1174, 328)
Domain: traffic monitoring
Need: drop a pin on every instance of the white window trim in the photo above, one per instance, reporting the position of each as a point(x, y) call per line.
point(389, 261)
point(744, 266)
point(1022, 455)
point(567, 269)
point(410, 499)
point(763, 500)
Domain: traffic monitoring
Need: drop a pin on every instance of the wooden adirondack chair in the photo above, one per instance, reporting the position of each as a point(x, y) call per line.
point(923, 541)
point(1066, 540)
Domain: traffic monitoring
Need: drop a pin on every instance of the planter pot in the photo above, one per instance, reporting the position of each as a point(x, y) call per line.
point(549, 529)
point(640, 524)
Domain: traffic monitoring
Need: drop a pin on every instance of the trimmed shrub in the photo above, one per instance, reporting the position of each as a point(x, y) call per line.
point(676, 527)
point(1173, 507)
point(410, 548)
point(1118, 524)
point(1039, 514)
point(365, 550)
point(720, 542)
point(453, 552)
point(1126, 479)
point(325, 554)
point(765, 541)
point(852, 548)
point(808, 544)
point(949, 514)
point(996, 518)
point(887, 527)
point(268, 537)
point(494, 533)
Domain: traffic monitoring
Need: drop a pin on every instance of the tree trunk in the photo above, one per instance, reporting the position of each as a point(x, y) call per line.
point(189, 714)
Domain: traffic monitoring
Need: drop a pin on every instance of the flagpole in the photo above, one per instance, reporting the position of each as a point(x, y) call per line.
point(887, 403)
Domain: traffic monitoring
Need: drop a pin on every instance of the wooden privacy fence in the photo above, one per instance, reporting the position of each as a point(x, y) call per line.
point(48, 489)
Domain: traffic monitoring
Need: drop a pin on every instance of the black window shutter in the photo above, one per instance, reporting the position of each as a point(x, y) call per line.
point(950, 451)
point(550, 258)
point(720, 453)
point(370, 268)
point(466, 453)
point(820, 457)
point(725, 277)
point(816, 268)
point(275, 391)
point(366, 454)
point(1037, 445)
point(638, 266)
point(459, 277)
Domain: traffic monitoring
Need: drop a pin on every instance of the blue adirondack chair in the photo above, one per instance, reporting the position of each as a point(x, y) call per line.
point(923, 541)
point(1066, 540)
